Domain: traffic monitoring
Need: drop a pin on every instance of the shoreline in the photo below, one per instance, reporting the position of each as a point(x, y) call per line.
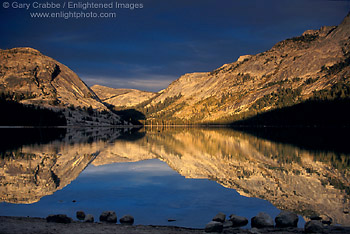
point(31, 225)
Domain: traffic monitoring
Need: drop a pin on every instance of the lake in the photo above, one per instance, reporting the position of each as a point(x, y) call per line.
point(182, 174)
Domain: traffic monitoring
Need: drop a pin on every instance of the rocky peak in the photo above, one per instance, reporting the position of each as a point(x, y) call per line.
point(322, 32)
point(243, 57)
point(342, 31)
point(346, 21)
point(33, 78)
point(43, 80)
point(27, 50)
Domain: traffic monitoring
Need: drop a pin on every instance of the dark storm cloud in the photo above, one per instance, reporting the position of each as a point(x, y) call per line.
point(148, 48)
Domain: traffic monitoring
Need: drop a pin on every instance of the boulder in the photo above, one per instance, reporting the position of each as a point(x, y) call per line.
point(80, 215)
point(89, 218)
point(127, 219)
point(108, 216)
point(59, 218)
point(220, 217)
point(286, 219)
point(238, 221)
point(313, 226)
point(262, 220)
point(214, 226)
point(227, 224)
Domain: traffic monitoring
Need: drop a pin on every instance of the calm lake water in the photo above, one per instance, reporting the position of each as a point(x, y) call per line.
point(184, 174)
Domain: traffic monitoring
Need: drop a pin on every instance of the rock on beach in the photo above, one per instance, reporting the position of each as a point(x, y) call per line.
point(313, 226)
point(108, 216)
point(286, 219)
point(89, 218)
point(238, 221)
point(127, 219)
point(262, 220)
point(214, 226)
point(59, 218)
point(220, 217)
point(80, 215)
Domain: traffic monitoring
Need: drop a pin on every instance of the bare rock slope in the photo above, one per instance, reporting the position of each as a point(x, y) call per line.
point(292, 71)
point(33, 78)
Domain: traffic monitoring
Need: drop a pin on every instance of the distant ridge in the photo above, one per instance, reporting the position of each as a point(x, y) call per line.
point(122, 97)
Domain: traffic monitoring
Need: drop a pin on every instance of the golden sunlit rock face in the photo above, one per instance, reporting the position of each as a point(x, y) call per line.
point(34, 78)
point(293, 179)
point(45, 81)
point(287, 74)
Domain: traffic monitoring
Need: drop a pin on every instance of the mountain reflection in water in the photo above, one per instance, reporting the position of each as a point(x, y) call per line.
point(308, 182)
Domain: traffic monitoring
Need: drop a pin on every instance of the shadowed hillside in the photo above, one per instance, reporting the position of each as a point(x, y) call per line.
point(17, 114)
